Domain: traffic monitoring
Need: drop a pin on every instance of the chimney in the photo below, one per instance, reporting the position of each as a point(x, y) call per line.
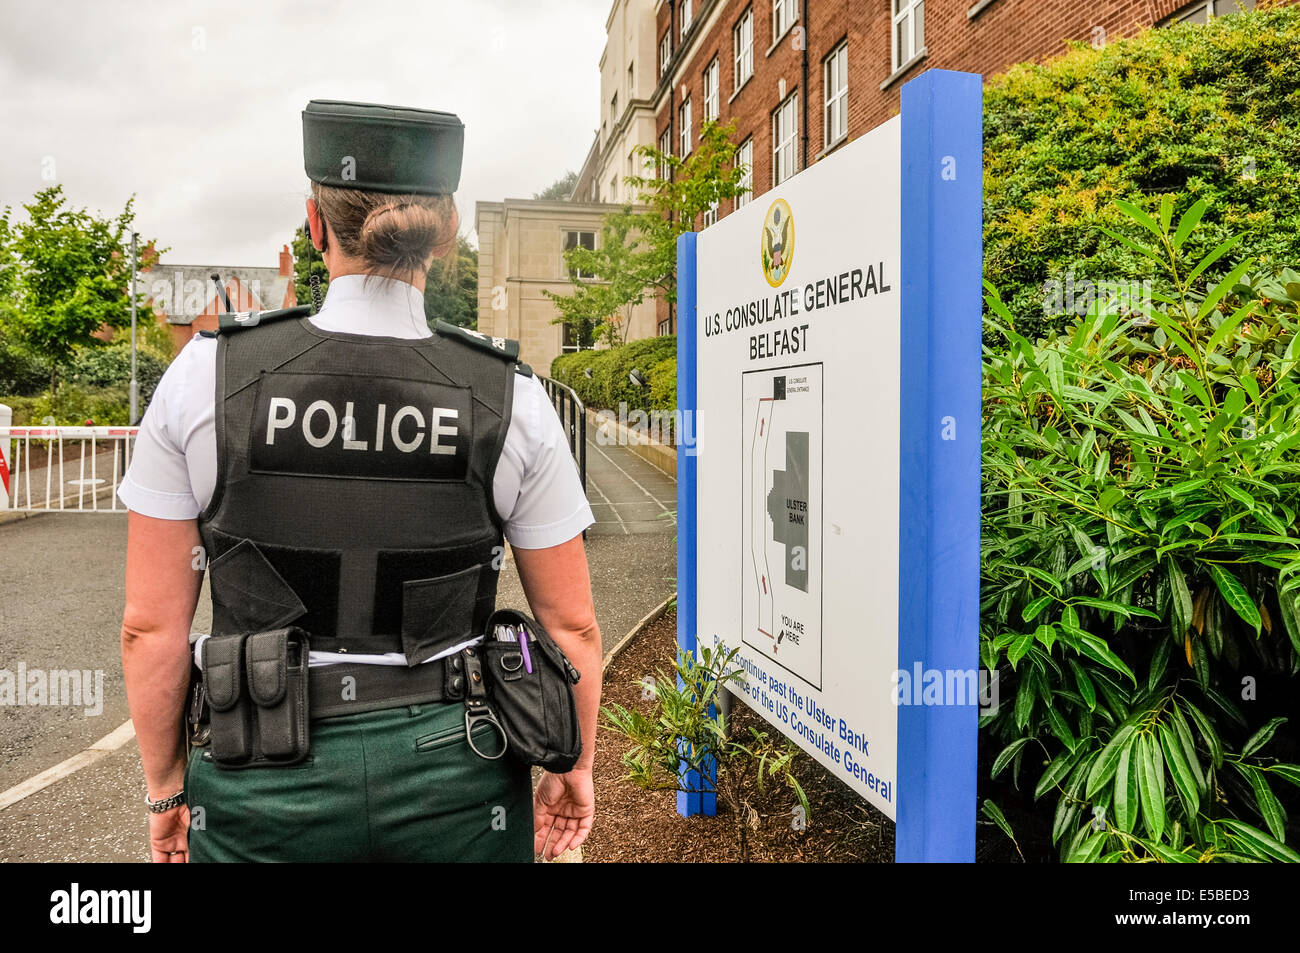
point(286, 262)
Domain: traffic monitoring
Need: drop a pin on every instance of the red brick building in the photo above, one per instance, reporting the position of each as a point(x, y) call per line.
point(184, 298)
point(803, 77)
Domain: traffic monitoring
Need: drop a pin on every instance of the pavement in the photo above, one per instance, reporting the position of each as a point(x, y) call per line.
point(61, 597)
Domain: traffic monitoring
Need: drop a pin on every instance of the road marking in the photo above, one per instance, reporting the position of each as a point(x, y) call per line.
point(100, 749)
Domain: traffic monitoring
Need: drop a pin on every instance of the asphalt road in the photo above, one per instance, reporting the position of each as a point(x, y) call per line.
point(61, 597)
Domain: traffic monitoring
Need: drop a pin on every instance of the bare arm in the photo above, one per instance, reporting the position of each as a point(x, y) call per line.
point(162, 590)
point(558, 587)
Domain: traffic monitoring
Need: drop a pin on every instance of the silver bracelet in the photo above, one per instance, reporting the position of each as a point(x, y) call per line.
point(165, 804)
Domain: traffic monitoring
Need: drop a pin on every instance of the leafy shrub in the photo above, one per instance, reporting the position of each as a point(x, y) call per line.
point(110, 365)
point(21, 373)
point(24, 410)
point(686, 733)
point(1140, 566)
point(74, 404)
point(1205, 111)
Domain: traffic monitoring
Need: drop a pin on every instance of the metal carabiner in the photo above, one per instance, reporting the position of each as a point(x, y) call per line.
point(473, 715)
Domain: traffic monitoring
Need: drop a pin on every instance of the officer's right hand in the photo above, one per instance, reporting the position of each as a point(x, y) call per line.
point(563, 808)
point(169, 836)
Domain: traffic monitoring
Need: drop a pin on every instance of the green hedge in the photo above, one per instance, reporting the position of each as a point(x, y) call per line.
point(610, 382)
point(20, 371)
point(110, 366)
point(1206, 112)
point(74, 405)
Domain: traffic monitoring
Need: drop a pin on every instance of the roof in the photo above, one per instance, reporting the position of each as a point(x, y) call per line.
point(183, 292)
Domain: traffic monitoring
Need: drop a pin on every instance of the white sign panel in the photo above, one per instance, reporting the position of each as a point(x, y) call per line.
point(798, 316)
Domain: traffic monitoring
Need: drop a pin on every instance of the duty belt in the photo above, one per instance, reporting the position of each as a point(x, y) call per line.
point(349, 688)
point(259, 694)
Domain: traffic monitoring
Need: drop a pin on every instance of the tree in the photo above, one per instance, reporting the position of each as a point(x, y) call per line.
point(637, 254)
point(561, 188)
point(307, 261)
point(69, 275)
point(450, 290)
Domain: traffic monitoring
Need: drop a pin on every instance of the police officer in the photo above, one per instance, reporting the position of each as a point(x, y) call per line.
point(351, 476)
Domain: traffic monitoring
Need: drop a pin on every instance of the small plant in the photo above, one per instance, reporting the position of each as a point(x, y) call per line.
point(684, 733)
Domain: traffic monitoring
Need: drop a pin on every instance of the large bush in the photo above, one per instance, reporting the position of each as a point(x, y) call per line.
point(110, 366)
point(1140, 564)
point(1203, 111)
point(655, 359)
point(21, 372)
point(74, 404)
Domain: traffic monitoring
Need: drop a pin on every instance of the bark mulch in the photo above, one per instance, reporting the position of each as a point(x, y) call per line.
point(636, 825)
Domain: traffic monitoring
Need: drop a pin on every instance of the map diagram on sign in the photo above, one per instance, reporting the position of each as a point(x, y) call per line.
point(781, 517)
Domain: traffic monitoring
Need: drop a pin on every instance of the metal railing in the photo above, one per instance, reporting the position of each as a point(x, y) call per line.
point(63, 469)
point(72, 469)
point(574, 417)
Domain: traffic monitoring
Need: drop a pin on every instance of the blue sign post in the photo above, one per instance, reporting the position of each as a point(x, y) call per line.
point(865, 282)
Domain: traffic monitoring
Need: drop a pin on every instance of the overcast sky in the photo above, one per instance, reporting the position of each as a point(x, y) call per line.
point(196, 107)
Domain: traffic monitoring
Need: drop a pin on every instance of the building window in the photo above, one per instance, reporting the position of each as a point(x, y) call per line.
point(711, 76)
point(835, 74)
point(742, 44)
point(785, 134)
point(613, 111)
point(613, 187)
point(684, 15)
point(665, 147)
point(909, 30)
point(579, 240)
point(631, 82)
point(1203, 10)
point(711, 215)
point(784, 13)
point(665, 327)
point(745, 157)
point(665, 52)
point(684, 126)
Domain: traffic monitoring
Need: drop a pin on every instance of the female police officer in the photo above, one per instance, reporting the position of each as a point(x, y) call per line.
point(349, 478)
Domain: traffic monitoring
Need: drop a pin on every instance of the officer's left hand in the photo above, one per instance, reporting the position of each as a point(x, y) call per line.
point(563, 808)
point(169, 836)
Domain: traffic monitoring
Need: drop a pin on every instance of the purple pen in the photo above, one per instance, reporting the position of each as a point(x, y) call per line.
point(523, 649)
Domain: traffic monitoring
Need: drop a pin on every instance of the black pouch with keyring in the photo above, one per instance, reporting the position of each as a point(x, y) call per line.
point(529, 684)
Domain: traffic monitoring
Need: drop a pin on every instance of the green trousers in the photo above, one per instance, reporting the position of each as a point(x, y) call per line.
point(394, 785)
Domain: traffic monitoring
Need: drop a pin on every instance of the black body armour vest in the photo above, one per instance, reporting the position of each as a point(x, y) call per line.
point(354, 485)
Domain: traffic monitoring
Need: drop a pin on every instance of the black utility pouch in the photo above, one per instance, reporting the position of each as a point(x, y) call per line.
point(276, 663)
point(230, 715)
point(537, 709)
point(256, 687)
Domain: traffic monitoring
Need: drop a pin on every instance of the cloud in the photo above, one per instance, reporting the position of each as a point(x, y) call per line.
point(195, 107)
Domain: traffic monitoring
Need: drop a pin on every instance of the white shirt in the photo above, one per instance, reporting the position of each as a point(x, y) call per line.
point(537, 488)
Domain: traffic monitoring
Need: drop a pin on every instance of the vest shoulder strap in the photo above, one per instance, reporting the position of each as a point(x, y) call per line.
point(505, 348)
point(241, 320)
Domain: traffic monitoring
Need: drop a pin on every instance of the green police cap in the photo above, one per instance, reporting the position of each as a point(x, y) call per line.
point(382, 148)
